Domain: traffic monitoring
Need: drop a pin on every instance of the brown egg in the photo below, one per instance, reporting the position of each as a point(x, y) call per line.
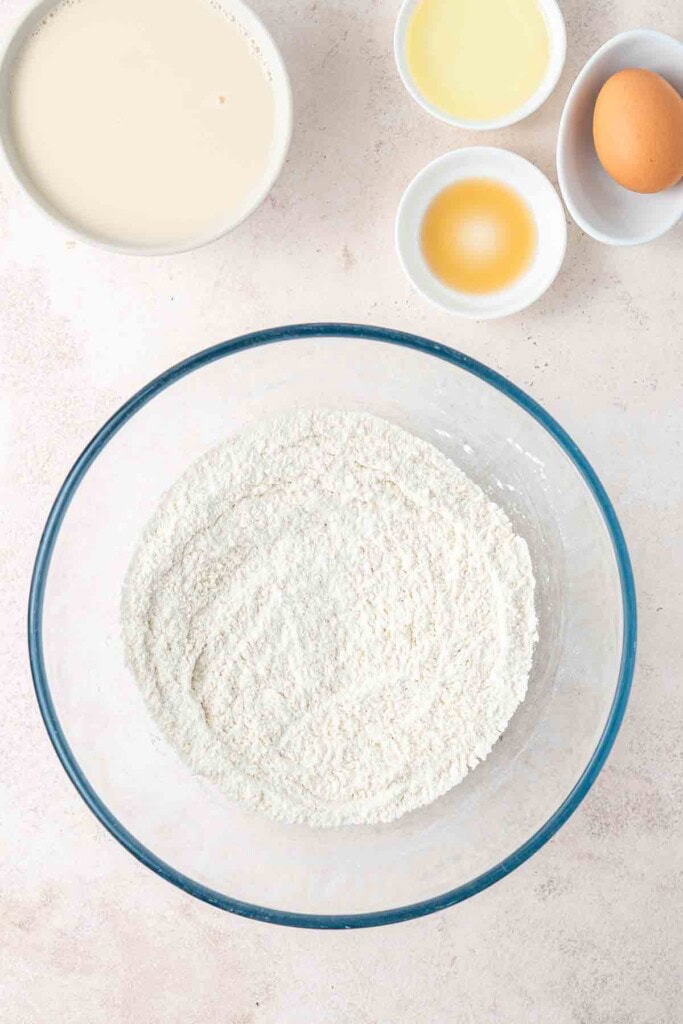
point(638, 130)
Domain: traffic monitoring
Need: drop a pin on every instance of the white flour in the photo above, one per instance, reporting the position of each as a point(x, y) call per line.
point(329, 620)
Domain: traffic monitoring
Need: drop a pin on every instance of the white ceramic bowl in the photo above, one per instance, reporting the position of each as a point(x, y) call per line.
point(601, 208)
point(531, 184)
point(283, 131)
point(558, 50)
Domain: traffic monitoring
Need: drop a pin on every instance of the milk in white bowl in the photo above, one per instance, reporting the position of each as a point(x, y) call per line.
point(148, 126)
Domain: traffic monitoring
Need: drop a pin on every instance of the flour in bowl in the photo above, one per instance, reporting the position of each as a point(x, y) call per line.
point(330, 620)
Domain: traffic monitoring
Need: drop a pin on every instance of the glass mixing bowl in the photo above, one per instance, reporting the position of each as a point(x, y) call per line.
point(187, 830)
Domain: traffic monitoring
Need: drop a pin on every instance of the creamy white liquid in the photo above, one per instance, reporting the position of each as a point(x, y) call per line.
point(144, 122)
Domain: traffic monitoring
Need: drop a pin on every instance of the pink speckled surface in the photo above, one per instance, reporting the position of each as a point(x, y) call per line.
point(589, 931)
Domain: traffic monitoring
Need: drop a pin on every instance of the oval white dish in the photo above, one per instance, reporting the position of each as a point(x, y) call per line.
point(602, 208)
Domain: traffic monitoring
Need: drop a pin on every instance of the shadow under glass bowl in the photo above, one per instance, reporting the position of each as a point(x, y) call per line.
point(186, 830)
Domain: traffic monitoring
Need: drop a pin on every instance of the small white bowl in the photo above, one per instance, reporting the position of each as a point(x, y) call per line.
point(558, 51)
point(282, 136)
point(601, 208)
point(530, 183)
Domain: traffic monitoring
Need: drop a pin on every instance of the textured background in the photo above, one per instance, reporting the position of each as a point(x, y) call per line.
point(589, 931)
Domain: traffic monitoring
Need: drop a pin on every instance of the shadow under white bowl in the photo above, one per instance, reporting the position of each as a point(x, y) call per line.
point(530, 183)
point(601, 207)
point(557, 34)
point(282, 94)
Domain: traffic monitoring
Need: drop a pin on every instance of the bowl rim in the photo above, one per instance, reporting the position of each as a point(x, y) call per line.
point(557, 33)
point(282, 138)
point(51, 533)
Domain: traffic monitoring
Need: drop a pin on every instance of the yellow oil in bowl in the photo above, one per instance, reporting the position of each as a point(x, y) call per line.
point(478, 236)
point(477, 60)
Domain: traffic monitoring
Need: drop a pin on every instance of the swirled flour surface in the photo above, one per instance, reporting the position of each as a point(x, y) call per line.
point(329, 619)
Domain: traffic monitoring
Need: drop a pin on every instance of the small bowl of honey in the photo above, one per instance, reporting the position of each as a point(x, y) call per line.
point(481, 232)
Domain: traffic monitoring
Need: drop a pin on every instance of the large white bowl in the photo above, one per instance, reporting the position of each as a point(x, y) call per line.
point(601, 208)
point(282, 136)
point(188, 831)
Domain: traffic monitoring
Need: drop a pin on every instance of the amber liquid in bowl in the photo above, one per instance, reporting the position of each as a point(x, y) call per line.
point(478, 236)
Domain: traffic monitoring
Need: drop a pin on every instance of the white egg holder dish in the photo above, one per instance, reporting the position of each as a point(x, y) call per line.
point(603, 209)
point(523, 177)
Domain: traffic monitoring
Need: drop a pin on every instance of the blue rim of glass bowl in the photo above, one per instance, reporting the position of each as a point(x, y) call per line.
point(69, 762)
